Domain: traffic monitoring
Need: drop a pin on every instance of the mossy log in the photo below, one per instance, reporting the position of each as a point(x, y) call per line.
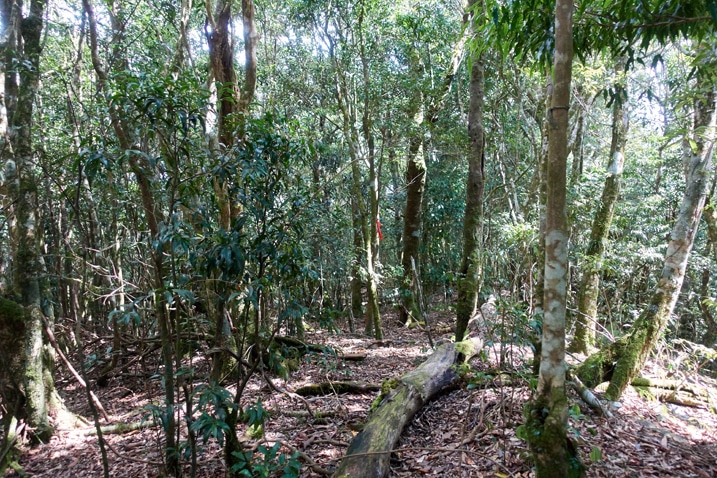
point(326, 388)
point(678, 385)
point(370, 451)
point(670, 391)
point(120, 428)
point(677, 397)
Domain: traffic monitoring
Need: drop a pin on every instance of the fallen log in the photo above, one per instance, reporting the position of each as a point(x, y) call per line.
point(327, 388)
point(306, 347)
point(677, 385)
point(677, 397)
point(369, 454)
point(120, 428)
point(353, 357)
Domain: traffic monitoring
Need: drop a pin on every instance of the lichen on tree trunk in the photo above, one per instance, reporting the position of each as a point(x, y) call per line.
point(27, 395)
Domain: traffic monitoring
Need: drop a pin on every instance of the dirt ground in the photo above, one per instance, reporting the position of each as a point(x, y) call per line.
point(466, 432)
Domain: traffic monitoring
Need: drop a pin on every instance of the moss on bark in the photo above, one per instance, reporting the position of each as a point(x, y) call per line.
point(584, 338)
point(599, 367)
point(554, 454)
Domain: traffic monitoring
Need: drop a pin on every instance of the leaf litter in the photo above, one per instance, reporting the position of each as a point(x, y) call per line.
point(469, 431)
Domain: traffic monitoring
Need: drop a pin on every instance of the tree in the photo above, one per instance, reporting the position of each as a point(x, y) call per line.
point(622, 361)
point(590, 282)
point(469, 275)
point(27, 385)
point(425, 113)
point(630, 352)
point(141, 168)
point(364, 216)
point(232, 106)
point(547, 412)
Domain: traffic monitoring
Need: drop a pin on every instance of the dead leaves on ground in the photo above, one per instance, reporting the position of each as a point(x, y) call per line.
point(464, 433)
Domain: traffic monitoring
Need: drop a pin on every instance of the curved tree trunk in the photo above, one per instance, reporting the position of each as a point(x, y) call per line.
point(647, 328)
point(590, 282)
point(140, 168)
point(470, 273)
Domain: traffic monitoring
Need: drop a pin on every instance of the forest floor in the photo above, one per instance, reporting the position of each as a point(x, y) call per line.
point(467, 432)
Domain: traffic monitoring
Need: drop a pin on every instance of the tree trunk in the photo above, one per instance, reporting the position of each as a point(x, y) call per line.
point(710, 217)
point(356, 282)
point(649, 326)
point(547, 413)
point(371, 243)
point(415, 186)
point(27, 395)
point(221, 64)
point(469, 277)
point(592, 263)
point(369, 454)
point(542, 173)
point(575, 144)
point(233, 104)
point(140, 167)
point(416, 180)
point(362, 213)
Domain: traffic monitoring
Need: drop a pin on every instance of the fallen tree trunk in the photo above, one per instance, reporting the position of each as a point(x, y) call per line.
point(369, 454)
point(677, 397)
point(326, 388)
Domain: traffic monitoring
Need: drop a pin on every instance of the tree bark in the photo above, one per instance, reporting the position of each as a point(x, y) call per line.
point(542, 189)
point(469, 276)
point(415, 186)
point(710, 217)
point(369, 453)
point(547, 413)
point(575, 144)
point(27, 395)
point(590, 282)
point(416, 180)
point(649, 326)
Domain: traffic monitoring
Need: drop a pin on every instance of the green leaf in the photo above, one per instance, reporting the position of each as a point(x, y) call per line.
point(693, 146)
point(496, 16)
point(595, 454)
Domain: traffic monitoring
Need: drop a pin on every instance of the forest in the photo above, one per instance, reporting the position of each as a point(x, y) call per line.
point(358, 238)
